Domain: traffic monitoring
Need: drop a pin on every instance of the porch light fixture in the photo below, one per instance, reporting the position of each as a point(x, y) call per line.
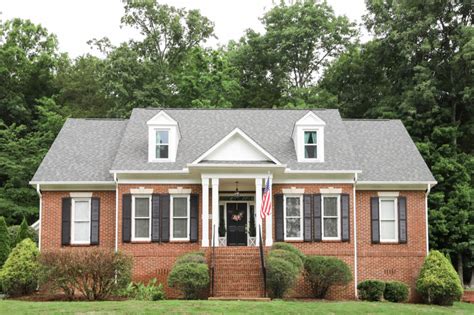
point(236, 193)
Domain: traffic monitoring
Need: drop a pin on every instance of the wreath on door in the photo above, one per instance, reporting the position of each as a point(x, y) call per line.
point(237, 215)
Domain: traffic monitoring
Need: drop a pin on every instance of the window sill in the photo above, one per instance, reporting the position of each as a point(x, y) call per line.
point(390, 243)
point(332, 241)
point(79, 245)
point(294, 241)
point(141, 242)
point(180, 241)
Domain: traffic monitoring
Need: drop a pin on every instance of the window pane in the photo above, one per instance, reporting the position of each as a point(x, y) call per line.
point(387, 209)
point(387, 230)
point(310, 152)
point(161, 137)
point(180, 207)
point(180, 228)
point(81, 211)
point(82, 232)
point(142, 227)
point(330, 227)
point(330, 206)
point(293, 206)
point(142, 206)
point(293, 228)
point(310, 137)
point(162, 151)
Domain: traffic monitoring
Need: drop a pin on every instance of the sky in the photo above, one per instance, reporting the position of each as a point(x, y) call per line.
point(76, 21)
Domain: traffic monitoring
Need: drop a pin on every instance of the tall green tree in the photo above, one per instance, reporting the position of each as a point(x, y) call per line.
point(4, 241)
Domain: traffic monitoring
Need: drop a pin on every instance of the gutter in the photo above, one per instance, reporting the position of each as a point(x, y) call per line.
point(38, 191)
point(355, 236)
point(426, 219)
point(116, 212)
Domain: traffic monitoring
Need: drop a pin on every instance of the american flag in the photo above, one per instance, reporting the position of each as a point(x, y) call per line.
point(266, 201)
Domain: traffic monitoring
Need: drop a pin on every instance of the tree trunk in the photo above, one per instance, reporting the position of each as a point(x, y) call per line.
point(460, 270)
point(471, 284)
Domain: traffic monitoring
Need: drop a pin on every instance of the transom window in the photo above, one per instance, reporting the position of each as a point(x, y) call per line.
point(388, 219)
point(180, 218)
point(331, 217)
point(293, 217)
point(141, 217)
point(81, 221)
point(162, 144)
point(310, 144)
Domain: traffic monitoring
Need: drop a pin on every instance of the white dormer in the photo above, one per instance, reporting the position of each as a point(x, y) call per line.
point(163, 138)
point(308, 137)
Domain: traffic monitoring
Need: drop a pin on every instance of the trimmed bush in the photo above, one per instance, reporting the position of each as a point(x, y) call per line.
point(94, 273)
point(4, 241)
point(191, 278)
point(438, 282)
point(325, 272)
point(291, 257)
point(281, 275)
point(142, 292)
point(395, 291)
point(371, 290)
point(19, 274)
point(290, 248)
point(194, 257)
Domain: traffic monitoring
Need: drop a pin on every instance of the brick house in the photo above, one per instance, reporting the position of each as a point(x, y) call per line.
point(169, 181)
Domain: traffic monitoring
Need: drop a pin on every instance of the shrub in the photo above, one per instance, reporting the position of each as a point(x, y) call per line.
point(438, 282)
point(13, 231)
point(22, 231)
point(194, 257)
point(19, 274)
point(93, 272)
point(325, 272)
point(4, 241)
point(290, 257)
point(395, 291)
point(371, 290)
point(290, 248)
point(281, 276)
point(190, 278)
point(149, 292)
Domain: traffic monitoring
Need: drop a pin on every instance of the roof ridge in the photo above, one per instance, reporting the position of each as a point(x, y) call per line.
point(369, 119)
point(97, 119)
point(232, 109)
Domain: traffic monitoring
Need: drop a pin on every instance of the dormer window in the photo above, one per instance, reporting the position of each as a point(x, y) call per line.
point(162, 144)
point(308, 137)
point(163, 138)
point(310, 144)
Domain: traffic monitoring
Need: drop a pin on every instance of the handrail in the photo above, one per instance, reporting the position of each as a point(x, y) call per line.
point(213, 260)
point(262, 262)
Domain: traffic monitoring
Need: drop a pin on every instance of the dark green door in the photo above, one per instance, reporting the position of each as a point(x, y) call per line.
point(236, 222)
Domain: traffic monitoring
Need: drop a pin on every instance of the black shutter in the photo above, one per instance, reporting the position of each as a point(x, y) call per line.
point(66, 221)
point(194, 216)
point(402, 220)
point(317, 217)
point(345, 221)
point(308, 217)
point(374, 217)
point(279, 226)
point(155, 218)
point(95, 219)
point(126, 218)
point(165, 217)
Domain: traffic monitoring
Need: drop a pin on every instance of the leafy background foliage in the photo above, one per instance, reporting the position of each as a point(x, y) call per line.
point(418, 67)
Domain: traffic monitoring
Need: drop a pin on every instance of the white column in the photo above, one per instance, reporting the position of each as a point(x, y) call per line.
point(258, 206)
point(269, 221)
point(215, 210)
point(205, 212)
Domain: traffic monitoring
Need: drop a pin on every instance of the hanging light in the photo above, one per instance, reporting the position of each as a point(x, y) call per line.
point(236, 193)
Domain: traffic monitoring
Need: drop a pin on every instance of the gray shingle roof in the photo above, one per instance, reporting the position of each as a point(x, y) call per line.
point(87, 149)
point(83, 151)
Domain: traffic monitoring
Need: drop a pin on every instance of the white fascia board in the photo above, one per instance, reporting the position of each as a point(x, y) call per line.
point(396, 182)
point(290, 171)
point(162, 118)
point(182, 171)
point(217, 165)
point(246, 137)
point(71, 182)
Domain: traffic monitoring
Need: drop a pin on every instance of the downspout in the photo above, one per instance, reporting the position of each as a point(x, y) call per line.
point(355, 236)
point(426, 219)
point(38, 190)
point(116, 212)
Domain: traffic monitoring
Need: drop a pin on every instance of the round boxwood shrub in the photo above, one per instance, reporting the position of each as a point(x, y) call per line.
point(194, 257)
point(395, 291)
point(371, 290)
point(438, 282)
point(291, 257)
point(19, 274)
point(325, 272)
point(290, 248)
point(190, 278)
point(281, 276)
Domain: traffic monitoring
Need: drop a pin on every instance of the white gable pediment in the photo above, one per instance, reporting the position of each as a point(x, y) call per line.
point(236, 146)
point(162, 118)
point(310, 119)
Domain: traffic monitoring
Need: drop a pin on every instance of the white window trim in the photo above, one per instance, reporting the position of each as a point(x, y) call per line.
point(395, 207)
point(299, 238)
point(155, 130)
point(73, 210)
point(133, 218)
point(338, 205)
point(188, 217)
point(319, 144)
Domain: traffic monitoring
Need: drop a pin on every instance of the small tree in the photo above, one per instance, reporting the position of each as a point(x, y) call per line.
point(22, 232)
point(4, 241)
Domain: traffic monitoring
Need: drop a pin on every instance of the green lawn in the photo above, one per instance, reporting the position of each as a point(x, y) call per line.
point(233, 307)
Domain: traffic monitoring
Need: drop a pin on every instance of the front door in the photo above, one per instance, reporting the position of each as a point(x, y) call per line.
point(236, 222)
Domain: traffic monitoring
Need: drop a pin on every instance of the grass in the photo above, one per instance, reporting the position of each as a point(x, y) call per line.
point(227, 307)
